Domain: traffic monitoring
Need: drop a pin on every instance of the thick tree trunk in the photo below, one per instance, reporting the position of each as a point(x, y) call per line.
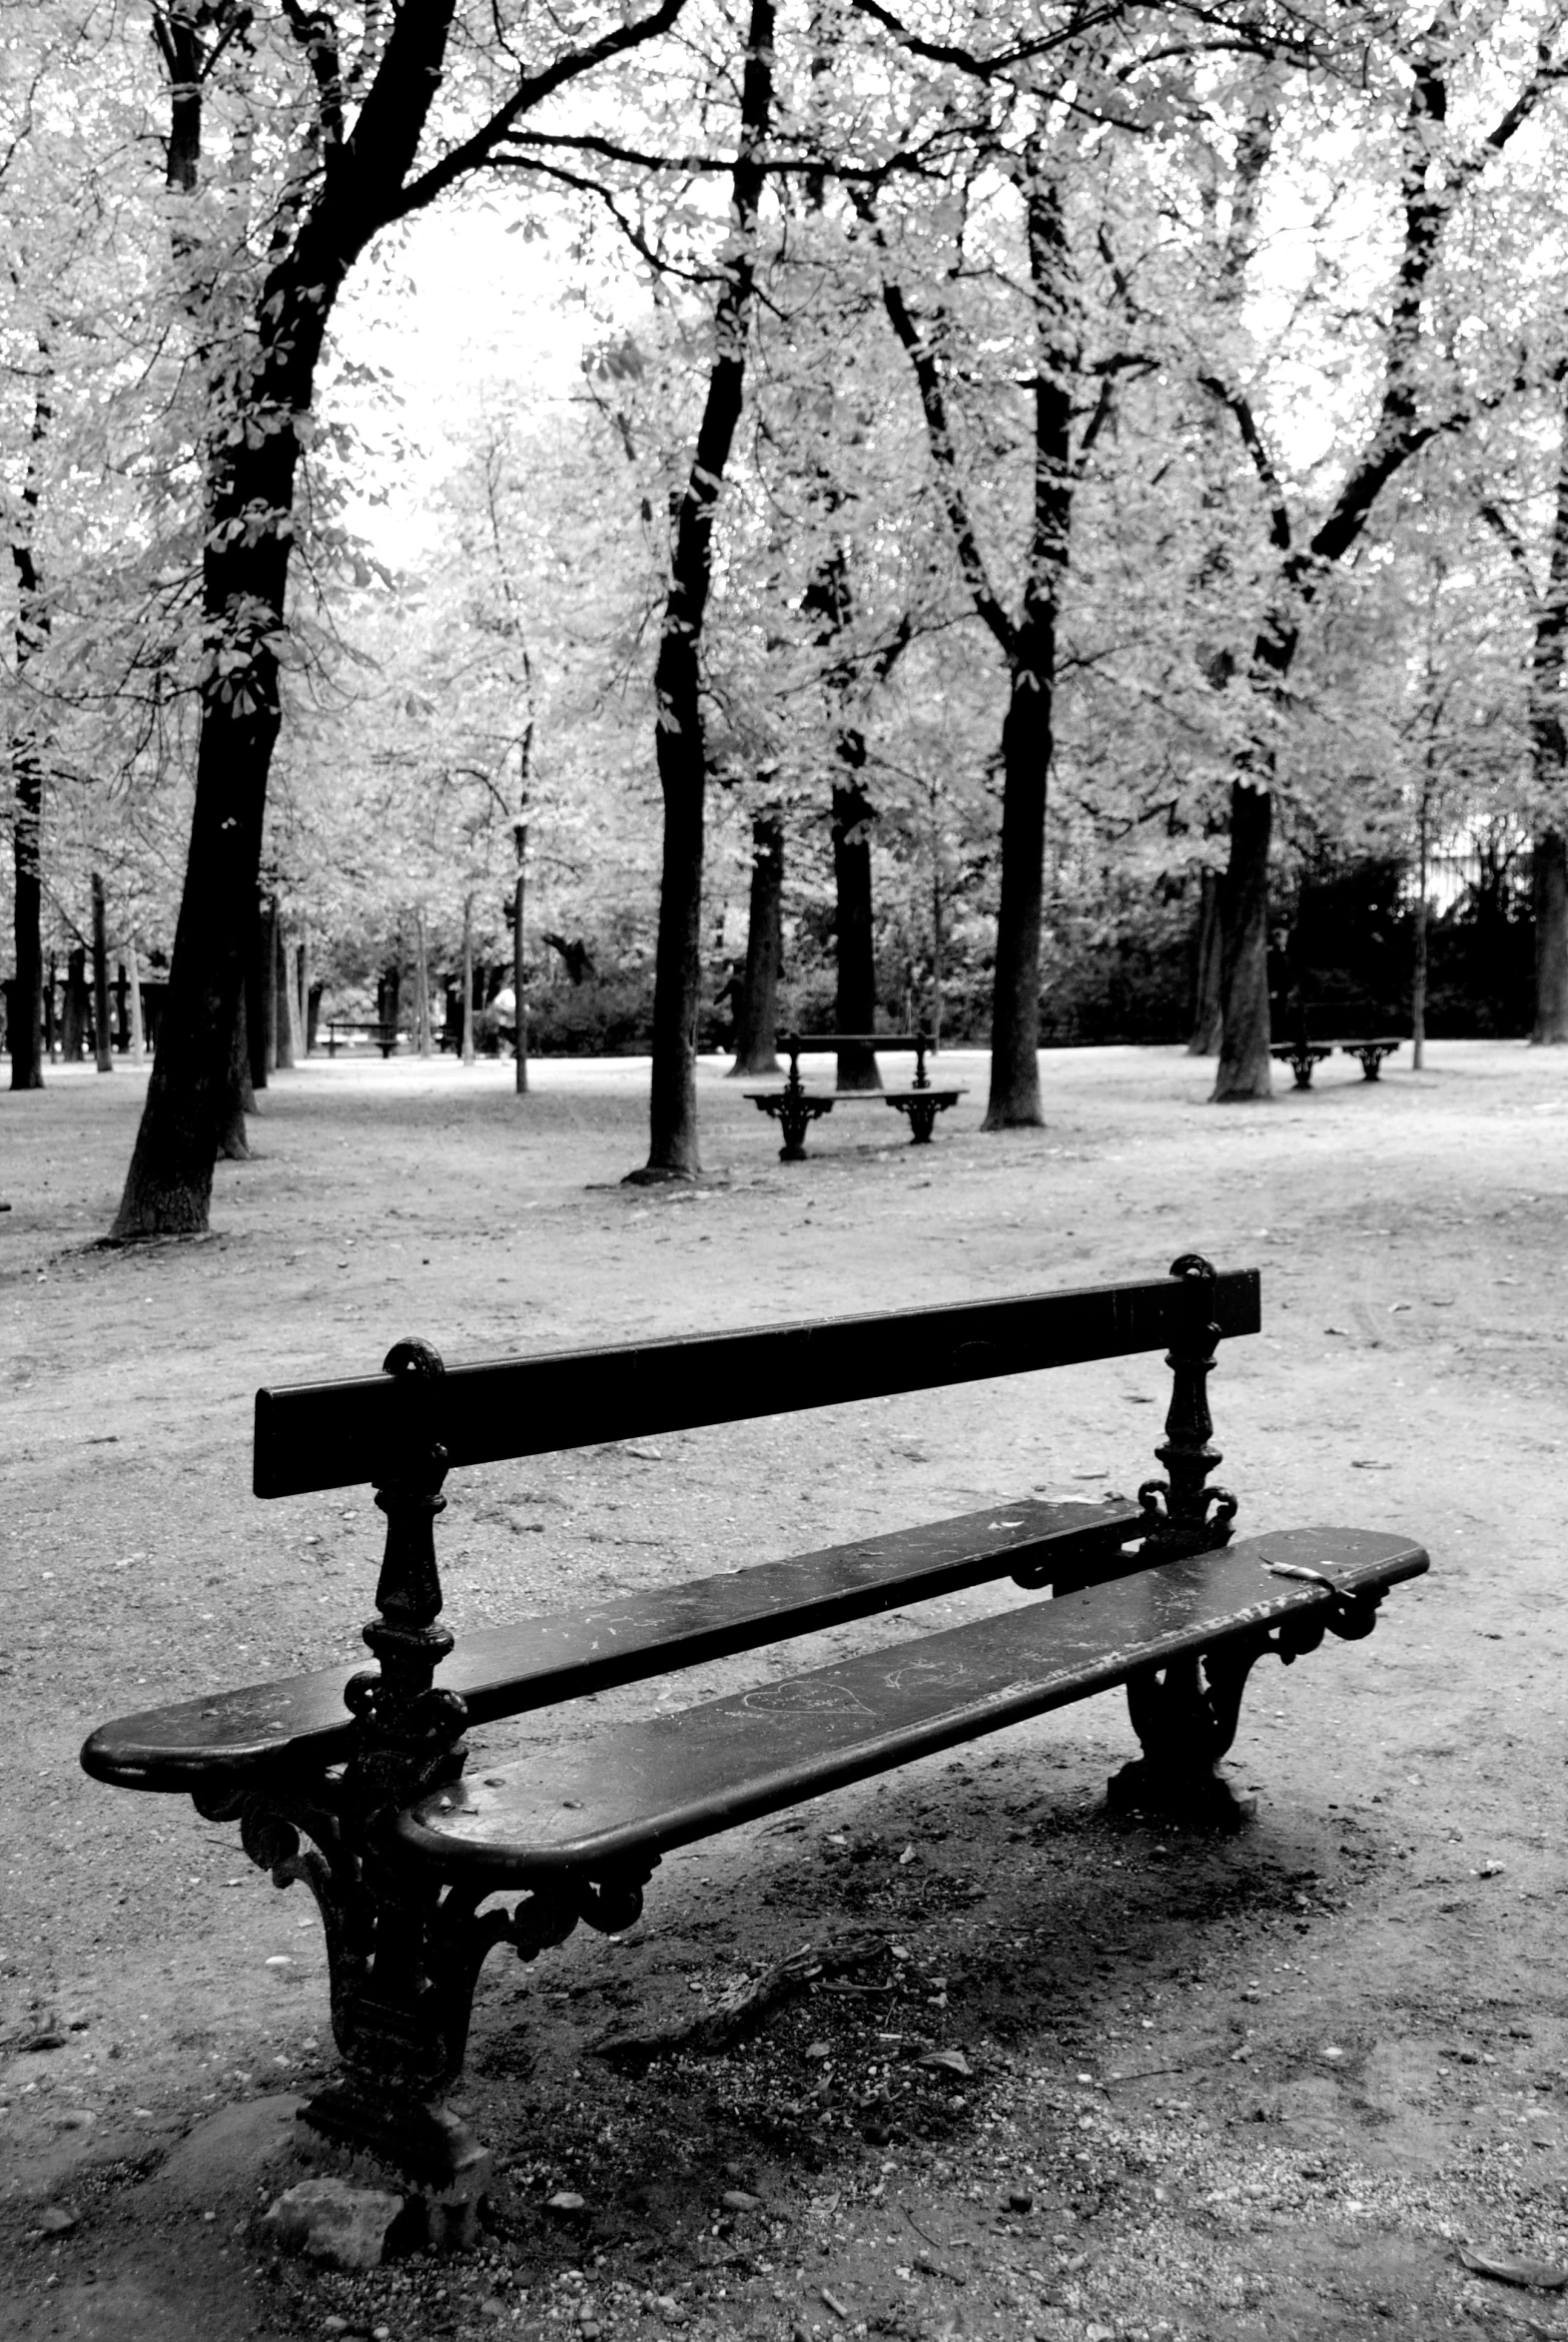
point(855, 1000)
point(252, 457)
point(168, 1190)
point(255, 987)
point(679, 747)
point(103, 1050)
point(756, 1027)
point(1246, 1066)
point(1550, 891)
point(1014, 1099)
point(239, 1098)
point(1208, 1017)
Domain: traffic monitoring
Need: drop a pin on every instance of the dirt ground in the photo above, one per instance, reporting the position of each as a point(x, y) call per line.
point(1265, 2085)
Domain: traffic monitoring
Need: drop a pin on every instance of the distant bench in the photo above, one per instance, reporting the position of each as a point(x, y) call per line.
point(796, 1108)
point(385, 1036)
point(1304, 1056)
point(408, 1852)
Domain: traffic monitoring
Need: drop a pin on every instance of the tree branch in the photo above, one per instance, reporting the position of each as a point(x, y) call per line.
point(1262, 463)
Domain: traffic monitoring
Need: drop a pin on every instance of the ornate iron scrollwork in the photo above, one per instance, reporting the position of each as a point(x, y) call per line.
point(1186, 1713)
point(1183, 1515)
point(405, 1953)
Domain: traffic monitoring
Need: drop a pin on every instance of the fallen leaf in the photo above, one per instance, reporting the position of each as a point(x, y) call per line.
point(950, 2061)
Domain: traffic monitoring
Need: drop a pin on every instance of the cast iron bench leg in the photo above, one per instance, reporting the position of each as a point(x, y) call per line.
point(922, 1113)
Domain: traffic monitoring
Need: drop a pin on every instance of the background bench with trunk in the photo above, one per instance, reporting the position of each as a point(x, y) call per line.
point(354, 1783)
point(796, 1108)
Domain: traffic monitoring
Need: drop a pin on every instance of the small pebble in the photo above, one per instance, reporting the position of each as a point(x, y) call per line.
point(739, 2199)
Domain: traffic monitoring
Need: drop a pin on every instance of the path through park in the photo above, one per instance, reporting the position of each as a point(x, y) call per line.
point(1268, 2086)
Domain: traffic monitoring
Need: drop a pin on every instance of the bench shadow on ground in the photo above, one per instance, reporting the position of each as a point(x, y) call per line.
point(983, 1925)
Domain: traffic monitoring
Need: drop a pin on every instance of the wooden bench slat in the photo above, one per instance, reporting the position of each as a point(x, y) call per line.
point(636, 1790)
point(317, 1435)
point(532, 1662)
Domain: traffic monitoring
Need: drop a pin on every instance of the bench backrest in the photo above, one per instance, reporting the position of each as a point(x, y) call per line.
point(798, 1043)
point(316, 1435)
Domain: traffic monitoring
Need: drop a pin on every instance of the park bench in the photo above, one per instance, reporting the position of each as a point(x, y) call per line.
point(385, 1036)
point(1304, 1056)
point(797, 1108)
point(354, 1783)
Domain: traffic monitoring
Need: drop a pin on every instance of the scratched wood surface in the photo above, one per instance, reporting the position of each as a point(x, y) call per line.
point(505, 1670)
point(638, 1790)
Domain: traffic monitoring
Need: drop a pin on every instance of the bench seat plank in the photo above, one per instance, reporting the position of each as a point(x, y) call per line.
point(504, 1671)
point(633, 1792)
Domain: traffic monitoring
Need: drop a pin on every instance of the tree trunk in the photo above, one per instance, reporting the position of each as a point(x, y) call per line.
point(239, 1098)
point(1207, 1018)
point(855, 1003)
point(305, 1037)
point(519, 1043)
point(254, 1019)
point(679, 747)
point(1550, 889)
point(103, 1050)
point(282, 987)
point(756, 1027)
point(1014, 1099)
point(268, 958)
point(31, 631)
point(468, 980)
point(1029, 730)
point(27, 993)
point(421, 987)
point(938, 949)
point(1246, 1066)
point(77, 997)
point(251, 459)
point(168, 1190)
point(136, 1048)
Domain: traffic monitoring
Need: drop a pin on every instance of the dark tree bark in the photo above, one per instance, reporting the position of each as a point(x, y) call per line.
point(73, 1039)
point(26, 1035)
point(679, 746)
point(252, 1011)
point(239, 1098)
point(103, 1045)
point(1207, 1018)
point(855, 1000)
point(359, 181)
point(756, 1026)
point(1246, 1066)
point(1550, 891)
